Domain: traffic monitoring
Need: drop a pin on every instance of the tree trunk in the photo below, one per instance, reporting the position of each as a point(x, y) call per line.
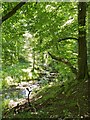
point(82, 48)
point(88, 38)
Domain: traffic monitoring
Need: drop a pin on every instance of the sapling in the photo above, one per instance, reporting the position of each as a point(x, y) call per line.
point(32, 107)
point(29, 91)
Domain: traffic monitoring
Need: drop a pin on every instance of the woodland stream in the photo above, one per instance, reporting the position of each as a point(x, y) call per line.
point(16, 94)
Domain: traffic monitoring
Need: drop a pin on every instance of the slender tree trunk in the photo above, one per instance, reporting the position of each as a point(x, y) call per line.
point(82, 48)
point(33, 64)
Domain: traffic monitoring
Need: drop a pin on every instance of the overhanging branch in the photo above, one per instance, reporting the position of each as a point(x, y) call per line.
point(65, 61)
point(12, 12)
point(61, 39)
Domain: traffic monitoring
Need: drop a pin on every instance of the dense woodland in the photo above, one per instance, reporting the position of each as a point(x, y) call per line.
point(46, 55)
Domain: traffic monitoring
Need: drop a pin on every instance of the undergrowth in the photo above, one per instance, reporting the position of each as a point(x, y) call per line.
point(55, 101)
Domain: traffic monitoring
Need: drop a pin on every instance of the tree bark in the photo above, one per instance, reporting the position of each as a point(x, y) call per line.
point(88, 38)
point(82, 48)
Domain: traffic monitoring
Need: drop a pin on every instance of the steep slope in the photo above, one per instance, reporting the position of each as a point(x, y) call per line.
point(69, 100)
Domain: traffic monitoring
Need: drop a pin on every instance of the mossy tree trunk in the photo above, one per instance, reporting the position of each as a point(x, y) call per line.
point(82, 48)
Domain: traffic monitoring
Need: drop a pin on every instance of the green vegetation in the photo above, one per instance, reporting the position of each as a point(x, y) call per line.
point(45, 51)
point(54, 101)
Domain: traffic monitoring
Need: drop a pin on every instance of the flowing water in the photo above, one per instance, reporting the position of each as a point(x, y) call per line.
point(18, 93)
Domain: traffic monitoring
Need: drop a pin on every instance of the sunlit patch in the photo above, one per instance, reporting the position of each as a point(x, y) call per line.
point(38, 98)
point(34, 113)
point(12, 103)
point(9, 79)
point(51, 83)
point(28, 70)
point(30, 74)
point(27, 34)
point(49, 8)
point(68, 22)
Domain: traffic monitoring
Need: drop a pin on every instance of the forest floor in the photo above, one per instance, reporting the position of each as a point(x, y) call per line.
point(67, 100)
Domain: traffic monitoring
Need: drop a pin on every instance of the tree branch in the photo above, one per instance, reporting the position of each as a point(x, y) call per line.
point(65, 61)
point(12, 12)
point(61, 39)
